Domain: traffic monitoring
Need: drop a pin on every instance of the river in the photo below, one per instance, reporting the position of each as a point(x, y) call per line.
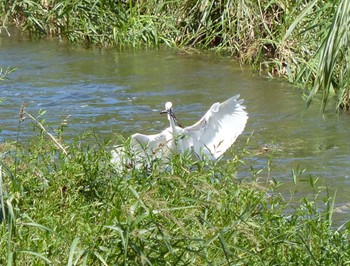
point(121, 92)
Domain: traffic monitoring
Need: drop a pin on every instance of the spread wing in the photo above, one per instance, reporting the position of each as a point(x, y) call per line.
point(218, 129)
point(143, 150)
point(155, 146)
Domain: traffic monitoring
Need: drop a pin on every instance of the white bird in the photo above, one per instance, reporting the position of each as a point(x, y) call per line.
point(209, 138)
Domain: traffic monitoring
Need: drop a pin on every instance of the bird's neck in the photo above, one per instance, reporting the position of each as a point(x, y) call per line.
point(173, 121)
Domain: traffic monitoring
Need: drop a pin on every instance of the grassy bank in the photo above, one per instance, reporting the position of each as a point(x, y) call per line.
point(305, 41)
point(66, 204)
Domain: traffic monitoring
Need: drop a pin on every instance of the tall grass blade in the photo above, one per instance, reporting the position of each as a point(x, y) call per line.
point(306, 10)
point(10, 259)
point(2, 197)
point(36, 254)
point(45, 228)
point(225, 248)
point(103, 262)
point(330, 208)
point(330, 56)
point(55, 141)
point(72, 250)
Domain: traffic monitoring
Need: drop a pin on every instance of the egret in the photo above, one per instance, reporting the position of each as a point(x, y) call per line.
point(209, 138)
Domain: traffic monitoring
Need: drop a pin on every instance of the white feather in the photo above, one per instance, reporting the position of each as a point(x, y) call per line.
point(211, 136)
point(219, 128)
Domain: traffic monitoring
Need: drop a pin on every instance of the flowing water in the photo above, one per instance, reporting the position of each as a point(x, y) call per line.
point(121, 92)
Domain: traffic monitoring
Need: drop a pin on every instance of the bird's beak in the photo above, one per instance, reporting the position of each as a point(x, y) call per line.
point(172, 115)
point(169, 112)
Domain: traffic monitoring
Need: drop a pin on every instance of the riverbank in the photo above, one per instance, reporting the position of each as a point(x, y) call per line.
point(67, 204)
point(303, 41)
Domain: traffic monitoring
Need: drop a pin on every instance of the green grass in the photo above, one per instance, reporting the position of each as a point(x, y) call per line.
point(74, 208)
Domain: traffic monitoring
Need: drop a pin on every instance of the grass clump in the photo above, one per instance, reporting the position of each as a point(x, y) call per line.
point(74, 207)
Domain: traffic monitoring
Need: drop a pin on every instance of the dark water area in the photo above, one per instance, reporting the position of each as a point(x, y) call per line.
point(114, 92)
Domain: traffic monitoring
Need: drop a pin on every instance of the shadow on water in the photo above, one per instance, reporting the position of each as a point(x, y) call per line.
point(114, 93)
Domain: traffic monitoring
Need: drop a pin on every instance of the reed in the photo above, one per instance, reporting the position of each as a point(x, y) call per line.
point(331, 76)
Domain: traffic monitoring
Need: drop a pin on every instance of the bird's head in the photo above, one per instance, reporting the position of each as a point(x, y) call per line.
point(169, 111)
point(168, 106)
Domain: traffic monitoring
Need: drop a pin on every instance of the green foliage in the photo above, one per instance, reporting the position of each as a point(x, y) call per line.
point(118, 23)
point(72, 206)
point(332, 59)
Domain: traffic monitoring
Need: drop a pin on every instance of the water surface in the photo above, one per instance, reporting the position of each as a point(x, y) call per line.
point(121, 92)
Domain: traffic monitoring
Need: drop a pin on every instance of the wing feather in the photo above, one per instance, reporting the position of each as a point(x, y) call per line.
point(156, 145)
point(143, 150)
point(218, 129)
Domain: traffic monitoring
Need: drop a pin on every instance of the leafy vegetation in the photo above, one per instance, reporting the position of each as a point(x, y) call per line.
point(305, 40)
point(66, 204)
